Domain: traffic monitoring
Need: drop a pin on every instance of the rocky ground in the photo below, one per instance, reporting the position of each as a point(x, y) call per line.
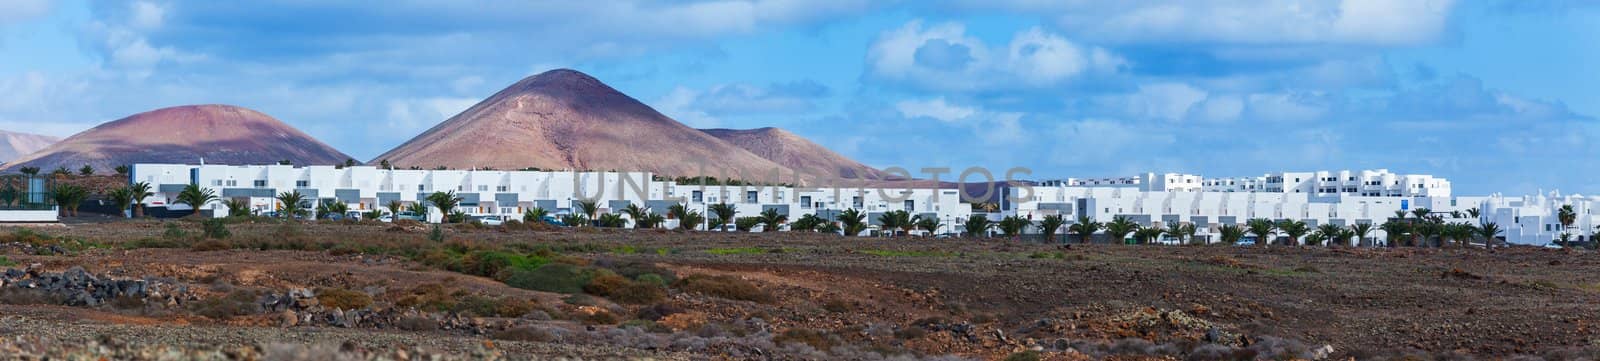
point(269, 290)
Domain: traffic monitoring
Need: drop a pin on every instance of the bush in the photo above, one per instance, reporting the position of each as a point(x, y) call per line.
point(1024, 356)
point(622, 290)
point(343, 299)
point(491, 263)
point(5, 262)
point(215, 228)
point(728, 287)
point(236, 303)
point(821, 340)
point(554, 277)
point(428, 297)
point(173, 232)
point(483, 306)
point(210, 245)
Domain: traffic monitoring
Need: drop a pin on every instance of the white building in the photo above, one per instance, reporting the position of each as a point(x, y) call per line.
point(1366, 183)
point(511, 193)
point(1535, 219)
point(1168, 182)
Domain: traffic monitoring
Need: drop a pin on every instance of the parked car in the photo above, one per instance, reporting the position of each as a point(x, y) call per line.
point(490, 220)
point(1246, 242)
point(410, 216)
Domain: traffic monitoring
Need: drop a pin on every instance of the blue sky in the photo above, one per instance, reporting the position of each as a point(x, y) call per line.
point(1499, 96)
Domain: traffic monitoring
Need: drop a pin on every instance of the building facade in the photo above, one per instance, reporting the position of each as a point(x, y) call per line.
point(511, 193)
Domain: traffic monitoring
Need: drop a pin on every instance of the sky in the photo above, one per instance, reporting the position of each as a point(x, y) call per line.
point(1497, 96)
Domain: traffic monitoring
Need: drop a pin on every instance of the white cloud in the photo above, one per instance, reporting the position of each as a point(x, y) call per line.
point(936, 108)
point(1352, 22)
point(147, 15)
point(412, 116)
point(16, 11)
point(678, 104)
point(944, 57)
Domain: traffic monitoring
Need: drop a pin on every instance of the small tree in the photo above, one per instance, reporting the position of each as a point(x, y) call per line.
point(445, 201)
point(1488, 232)
point(1119, 228)
point(292, 203)
point(1013, 226)
point(1084, 228)
point(122, 198)
point(1231, 233)
point(534, 214)
point(196, 196)
point(771, 220)
point(394, 207)
point(978, 225)
point(929, 224)
point(123, 169)
point(725, 214)
point(1294, 229)
point(87, 170)
point(140, 191)
point(1263, 229)
point(1361, 231)
point(853, 222)
point(69, 197)
point(29, 171)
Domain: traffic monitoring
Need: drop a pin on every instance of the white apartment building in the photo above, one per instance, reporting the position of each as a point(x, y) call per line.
point(1526, 220)
point(1149, 182)
point(510, 193)
point(1364, 183)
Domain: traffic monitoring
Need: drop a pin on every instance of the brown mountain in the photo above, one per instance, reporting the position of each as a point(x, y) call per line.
point(221, 134)
point(564, 119)
point(796, 152)
point(14, 145)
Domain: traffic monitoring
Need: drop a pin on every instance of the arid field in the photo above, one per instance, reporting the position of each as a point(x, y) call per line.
point(266, 289)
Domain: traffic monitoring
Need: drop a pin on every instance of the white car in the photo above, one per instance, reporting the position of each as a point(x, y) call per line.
point(490, 220)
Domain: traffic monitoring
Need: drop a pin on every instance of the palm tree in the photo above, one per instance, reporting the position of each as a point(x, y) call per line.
point(1231, 233)
point(29, 171)
point(690, 219)
point(611, 220)
point(771, 220)
point(854, 222)
point(69, 197)
point(1462, 233)
point(1188, 230)
point(1361, 230)
point(1421, 212)
point(892, 220)
point(1332, 233)
point(725, 214)
point(1263, 229)
point(1013, 226)
point(445, 202)
point(1426, 230)
point(929, 224)
point(1084, 228)
point(195, 196)
point(417, 208)
point(9, 195)
point(1147, 235)
point(237, 207)
point(806, 223)
point(1488, 232)
point(1400, 214)
point(1050, 225)
point(140, 191)
point(1395, 231)
point(534, 214)
point(292, 203)
point(1119, 228)
point(1565, 239)
point(1567, 216)
point(120, 197)
point(1474, 212)
point(1174, 230)
point(1294, 229)
point(123, 169)
point(978, 224)
point(635, 212)
point(651, 220)
point(394, 207)
point(331, 207)
point(589, 209)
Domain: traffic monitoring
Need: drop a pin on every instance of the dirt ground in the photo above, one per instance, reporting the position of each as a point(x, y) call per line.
point(879, 298)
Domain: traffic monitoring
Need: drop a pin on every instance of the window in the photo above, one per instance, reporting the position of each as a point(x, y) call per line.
point(500, 189)
point(483, 188)
point(911, 206)
point(260, 183)
point(302, 184)
point(805, 202)
point(750, 196)
point(697, 196)
point(857, 203)
point(216, 182)
point(419, 188)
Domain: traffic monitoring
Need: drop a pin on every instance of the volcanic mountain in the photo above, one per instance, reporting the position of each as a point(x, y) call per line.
point(221, 134)
point(14, 144)
point(564, 119)
point(796, 152)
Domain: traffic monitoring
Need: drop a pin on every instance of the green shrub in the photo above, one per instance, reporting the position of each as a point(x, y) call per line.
point(1024, 356)
point(4, 262)
point(553, 277)
point(215, 228)
point(436, 235)
point(623, 290)
point(728, 287)
point(234, 304)
point(174, 233)
point(343, 299)
point(652, 278)
point(491, 263)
